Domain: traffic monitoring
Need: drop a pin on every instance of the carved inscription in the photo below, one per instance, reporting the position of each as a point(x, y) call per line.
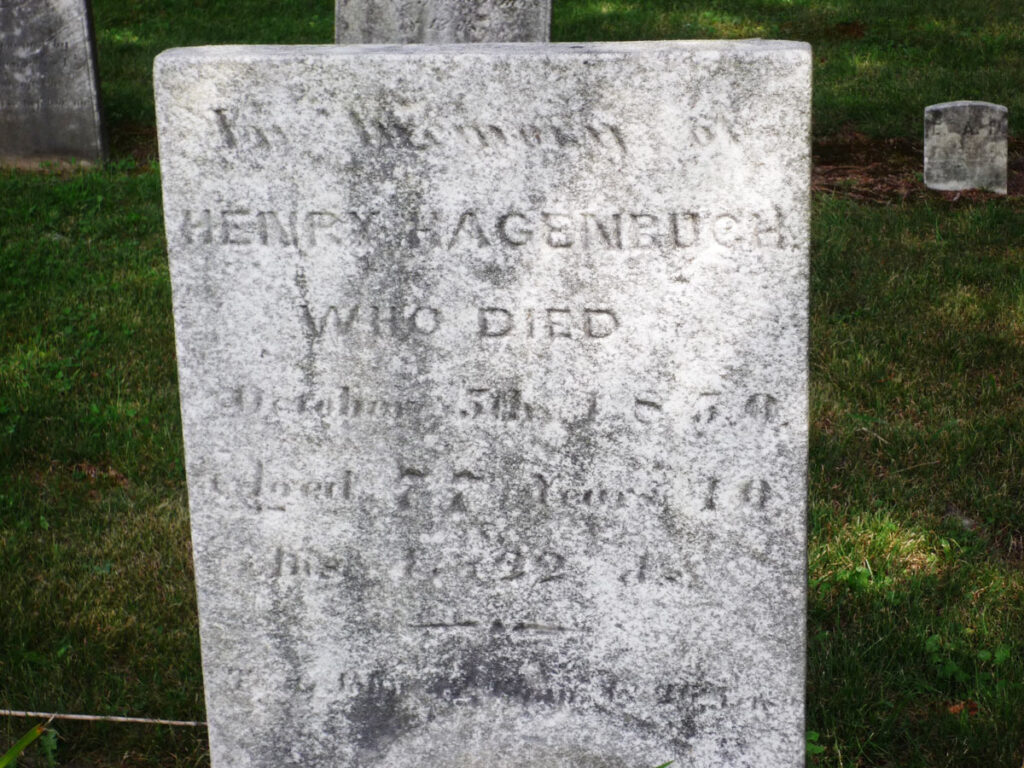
point(344, 402)
point(492, 322)
point(495, 404)
point(244, 226)
point(466, 685)
point(387, 131)
point(753, 493)
point(58, 105)
point(247, 137)
point(396, 322)
point(762, 407)
point(472, 24)
point(550, 322)
point(434, 489)
point(265, 491)
point(382, 131)
point(427, 21)
point(498, 563)
point(559, 230)
point(650, 569)
point(305, 564)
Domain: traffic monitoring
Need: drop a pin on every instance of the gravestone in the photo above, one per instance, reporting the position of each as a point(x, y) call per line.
point(965, 146)
point(493, 370)
point(49, 94)
point(442, 21)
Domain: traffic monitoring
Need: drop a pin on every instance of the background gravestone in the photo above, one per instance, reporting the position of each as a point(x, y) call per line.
point(965, 146)
point(495, 418)
point(49, 93)
point(441, 21)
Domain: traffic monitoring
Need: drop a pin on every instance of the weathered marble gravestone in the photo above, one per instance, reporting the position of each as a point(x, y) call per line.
point(442, 21)
point(49, 94)
point(965, 146)
point(493, 365)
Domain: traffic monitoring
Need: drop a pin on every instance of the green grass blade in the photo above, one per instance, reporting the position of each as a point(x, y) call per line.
point(22, 745)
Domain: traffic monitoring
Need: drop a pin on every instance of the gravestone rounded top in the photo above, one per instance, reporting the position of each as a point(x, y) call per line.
point(965, 103)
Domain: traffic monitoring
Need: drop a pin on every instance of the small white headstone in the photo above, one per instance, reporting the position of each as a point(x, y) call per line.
point(965, 146)
point(49, 94)
point(442, 21)
point(493, 369)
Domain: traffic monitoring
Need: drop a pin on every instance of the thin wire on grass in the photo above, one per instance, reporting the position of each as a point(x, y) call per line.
point(102, 718)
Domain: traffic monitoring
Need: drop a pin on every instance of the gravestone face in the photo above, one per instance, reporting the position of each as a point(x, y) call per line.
point(494, 387)
point(441, 21)
point(965, 146)
point(49, 95)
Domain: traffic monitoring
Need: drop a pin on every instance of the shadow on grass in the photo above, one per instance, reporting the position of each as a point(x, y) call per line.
point(877, 65)
point(915, 563)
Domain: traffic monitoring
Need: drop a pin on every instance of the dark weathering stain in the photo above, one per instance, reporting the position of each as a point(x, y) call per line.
point(381, 713)
point(308, 363)
point(377, 713)
point(484, 672)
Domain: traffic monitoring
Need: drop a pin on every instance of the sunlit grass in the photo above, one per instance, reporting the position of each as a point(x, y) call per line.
point(119, 37)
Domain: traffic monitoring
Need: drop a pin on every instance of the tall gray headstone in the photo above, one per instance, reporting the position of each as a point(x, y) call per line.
point(965, 146)
point(49, 93)
point(442, 21)
point(493, 369)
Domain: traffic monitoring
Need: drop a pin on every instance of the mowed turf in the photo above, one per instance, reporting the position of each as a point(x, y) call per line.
point(916, 476)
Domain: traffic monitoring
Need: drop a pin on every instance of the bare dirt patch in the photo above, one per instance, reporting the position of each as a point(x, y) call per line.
point(887, 171)
point(135, 140)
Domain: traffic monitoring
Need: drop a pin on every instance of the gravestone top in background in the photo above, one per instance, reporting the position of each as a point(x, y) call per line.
point(965, 146)
point(49, 94)
point(493, 370)
point(442, 21)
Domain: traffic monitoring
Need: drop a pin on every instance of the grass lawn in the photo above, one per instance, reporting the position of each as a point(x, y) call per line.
point(916, 633)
